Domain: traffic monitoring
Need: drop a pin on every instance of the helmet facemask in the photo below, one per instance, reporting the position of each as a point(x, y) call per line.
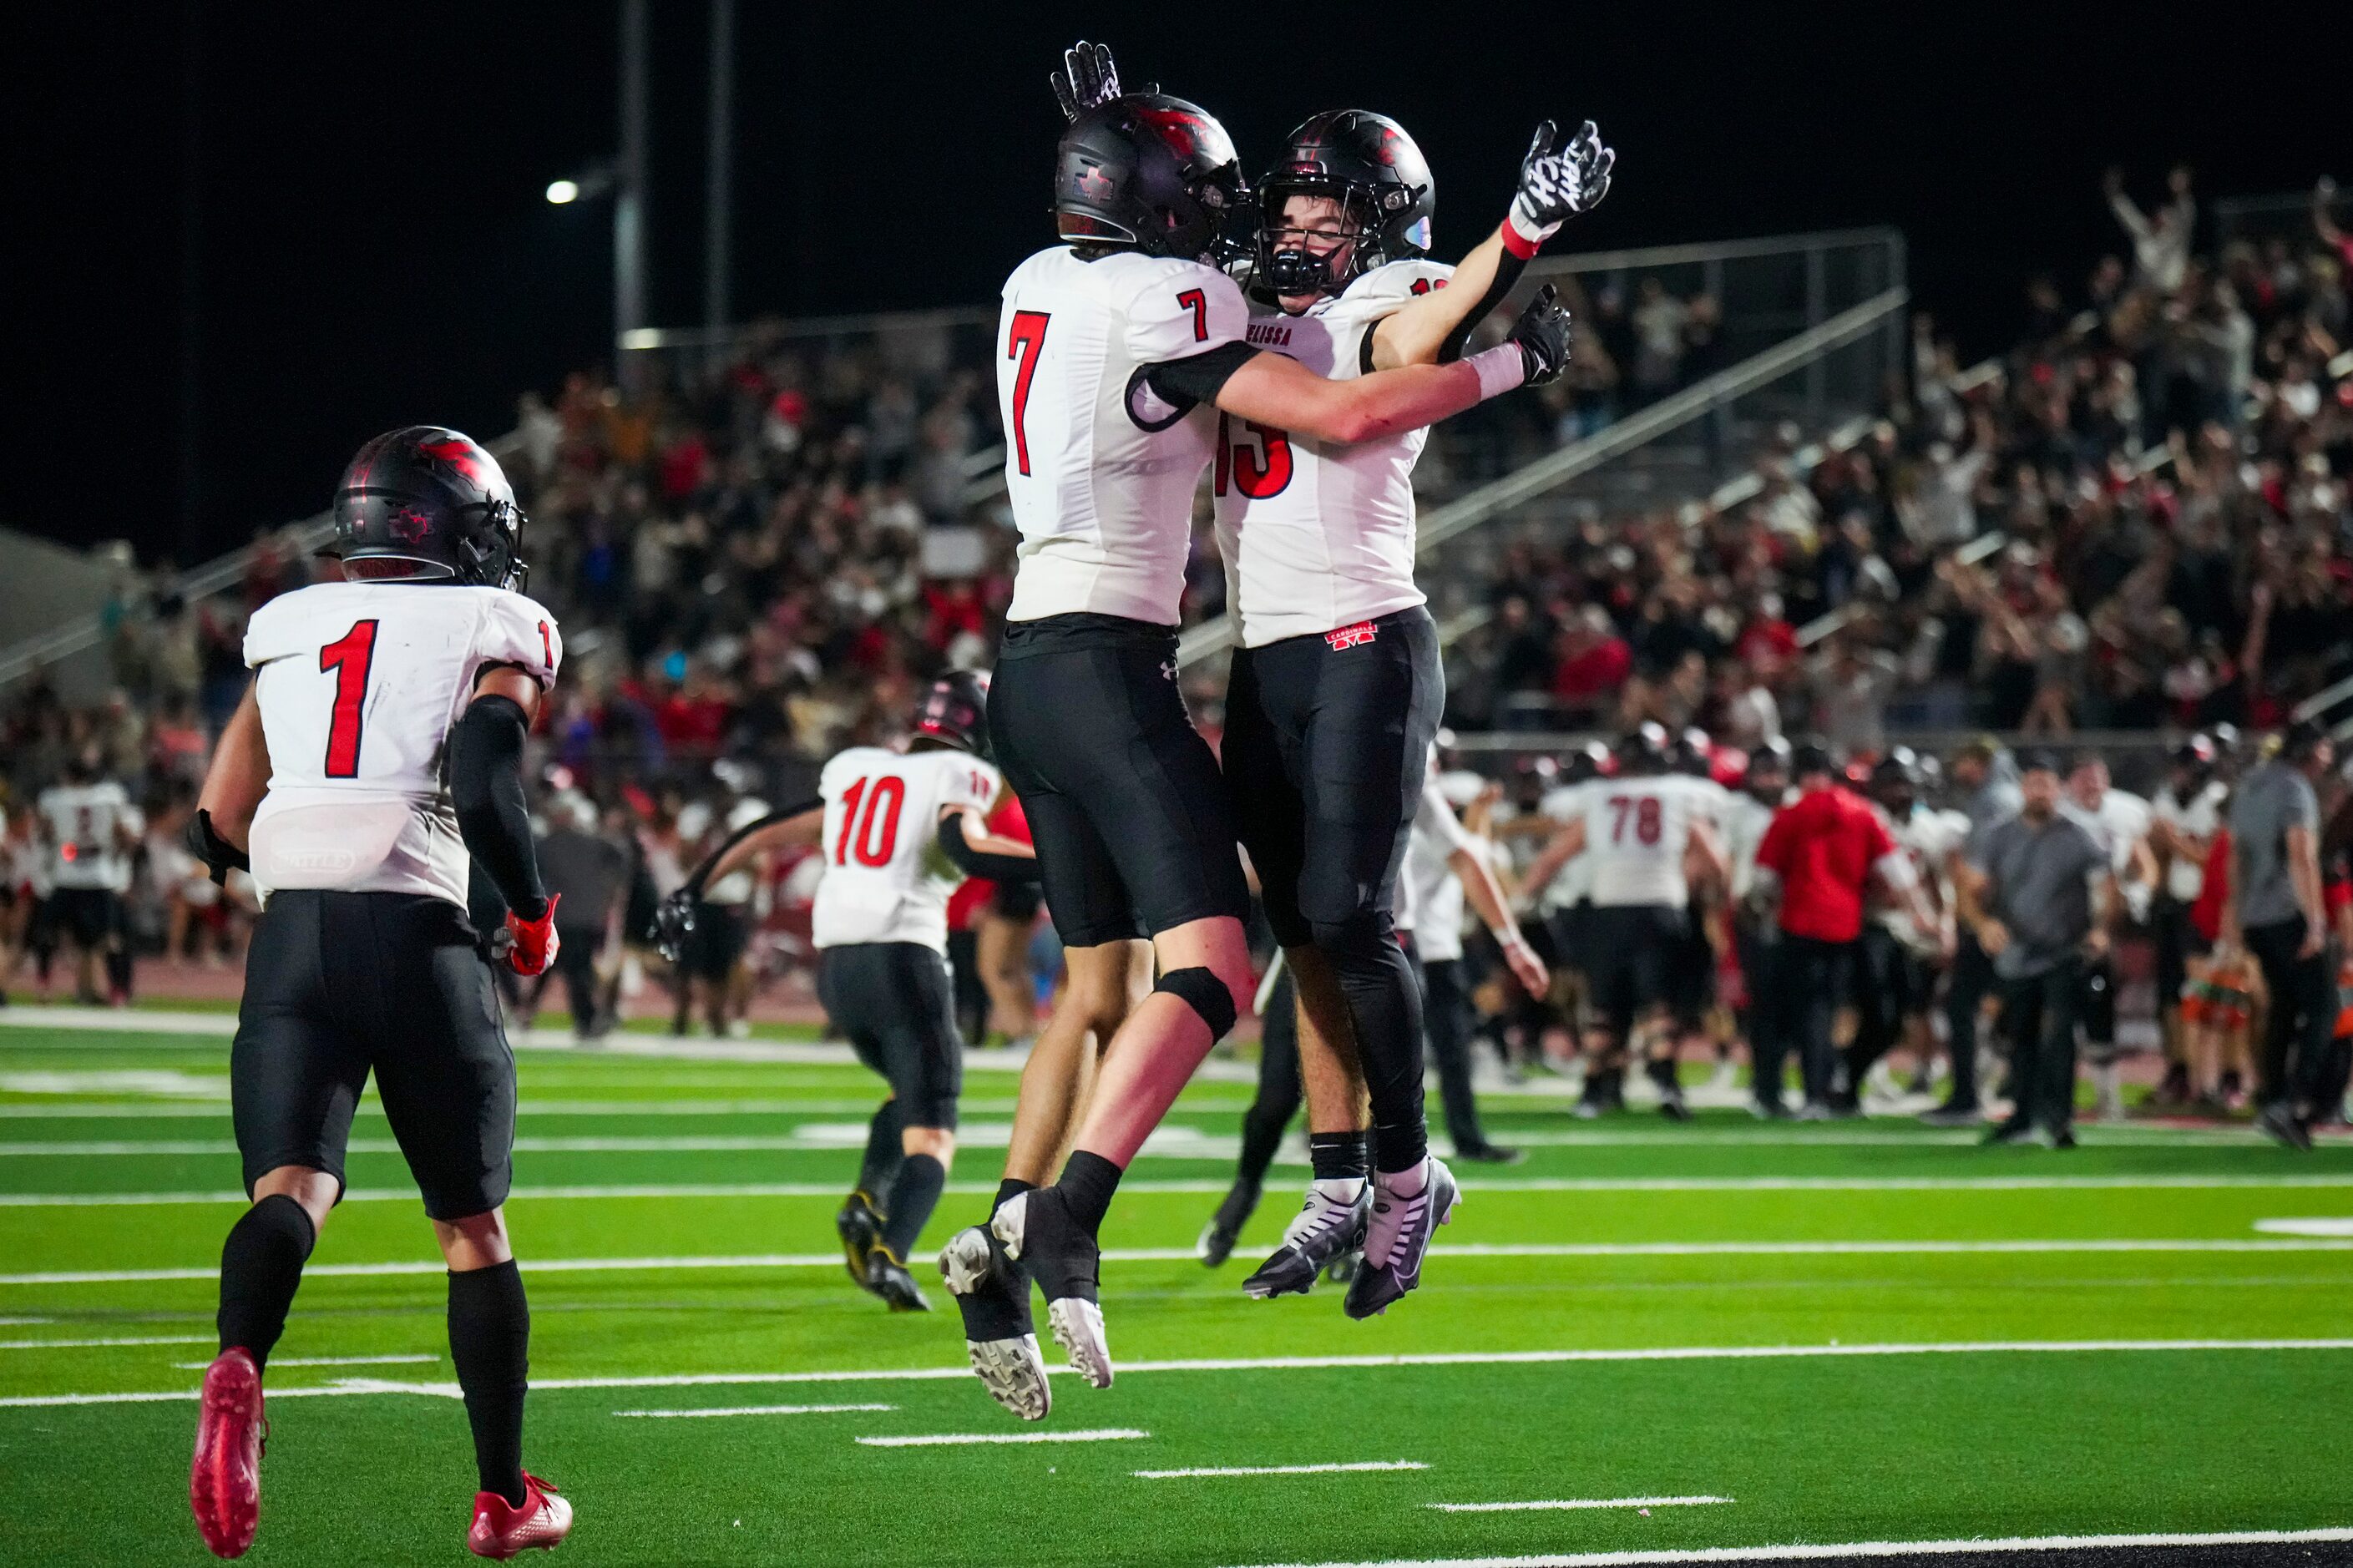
point(1291, 262)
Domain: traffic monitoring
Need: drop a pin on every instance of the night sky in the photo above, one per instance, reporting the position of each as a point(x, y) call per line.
point(374, 246)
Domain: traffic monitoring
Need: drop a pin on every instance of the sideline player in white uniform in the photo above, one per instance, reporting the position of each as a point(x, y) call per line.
point(1337, 688)
point(1646, 829)
point(89, 829)
point(378, 749)
point(900, 830)
point(1120, 343)
point(1897, 972)
point(2118, 822)
point(2184, 815)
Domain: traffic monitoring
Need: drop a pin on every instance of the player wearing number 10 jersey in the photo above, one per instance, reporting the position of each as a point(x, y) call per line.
point(1119, 346)
point(377, 750)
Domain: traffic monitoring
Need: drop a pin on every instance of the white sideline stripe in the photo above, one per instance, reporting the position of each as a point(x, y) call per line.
point(326, 1361)
point(760, 1410)
point(954, 1439)
point(217, 1110)
point(1574, 1503)
point(1279, 1469)
point(360, 1386)
point(107, 1344)
point(1169, 1140)
point(832, 1190)
point(2305, 1227)
point(1843, 1549)
point(2231, 1243)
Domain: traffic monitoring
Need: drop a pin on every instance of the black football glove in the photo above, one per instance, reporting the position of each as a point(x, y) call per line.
point(673, 922)
point(1541, 334)
point(1087, 81)
point(204, 842)
point(1557, 183)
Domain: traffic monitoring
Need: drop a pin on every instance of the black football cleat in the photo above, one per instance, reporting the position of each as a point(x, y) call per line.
point(1040, 1233)
point(1397, 1239)
point(1490, 1154)
point(1329, 1225)
point(2014, 1131)
point(2280, 1123)
point(1225, 1226)
point(859, 1226)
point(992, 1293)
point(888, 1278)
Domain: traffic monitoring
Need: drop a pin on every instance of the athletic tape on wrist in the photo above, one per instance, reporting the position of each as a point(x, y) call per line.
point(1501, 369)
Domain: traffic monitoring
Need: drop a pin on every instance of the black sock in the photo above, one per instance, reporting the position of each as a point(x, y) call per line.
point(118, 973)
point(1088, 1183)
point(1336, 1156)
point(1400, 1146)
point(489, 1342)
point(914, 1193)
point(1008, 1189)
point(261, 1265)
point(882, 1151)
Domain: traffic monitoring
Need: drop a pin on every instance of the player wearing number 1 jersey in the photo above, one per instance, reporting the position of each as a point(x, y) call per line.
point(1119, 346)
point(1337, 688)
point(899, 831)
point(377, 752)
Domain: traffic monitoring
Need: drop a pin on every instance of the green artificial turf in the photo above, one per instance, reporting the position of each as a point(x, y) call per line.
point(1720, 1240)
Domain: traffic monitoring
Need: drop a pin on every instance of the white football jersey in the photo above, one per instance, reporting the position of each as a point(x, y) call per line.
point(2199, 817)
point(1320, 535)
point(1101, 470)
point(1429, 895)
point(84, 825)
point(1572, 884)
point(1929, 838)
point(2121, 822)
point(885, 877)
point(359, 684)
point(1744, 822)
point(1636, 830)
point(698, 825)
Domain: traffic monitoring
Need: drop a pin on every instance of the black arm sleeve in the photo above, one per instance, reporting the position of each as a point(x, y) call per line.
point(697, 878)
point(485, 786)
point(1199, 379)
point(1508, 269)
point(975, 863)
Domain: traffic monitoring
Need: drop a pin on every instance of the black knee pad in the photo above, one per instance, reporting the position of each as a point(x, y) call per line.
point(1201, 990)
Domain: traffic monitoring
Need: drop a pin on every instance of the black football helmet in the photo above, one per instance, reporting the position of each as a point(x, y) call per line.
point(1367, 164)
point(1895, 779)
point(1589, 760)
point(1644, 749)
point(434, 499)
point(1150, 172)
point(955, 712)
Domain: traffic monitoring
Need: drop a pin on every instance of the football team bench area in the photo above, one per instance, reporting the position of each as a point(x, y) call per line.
point(1724, 1342)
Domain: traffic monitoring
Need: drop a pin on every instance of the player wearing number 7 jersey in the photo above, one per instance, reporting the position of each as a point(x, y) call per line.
point(1120, 345)
point(378, 749)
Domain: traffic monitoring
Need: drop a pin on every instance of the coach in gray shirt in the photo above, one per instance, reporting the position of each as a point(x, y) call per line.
point(2275, 912)
point(2031, 905)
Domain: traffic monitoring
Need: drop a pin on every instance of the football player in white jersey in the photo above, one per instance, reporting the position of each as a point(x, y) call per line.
point(1896, 970)
point(1121, 344)
point(1337, 688)
point(899, 831)
point(378, 749)
point(2118, 821)
point(89, 829)
point(1648, 830)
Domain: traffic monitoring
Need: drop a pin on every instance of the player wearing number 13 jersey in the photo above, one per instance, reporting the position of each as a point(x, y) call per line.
point(1118, 347)
point(377, 750)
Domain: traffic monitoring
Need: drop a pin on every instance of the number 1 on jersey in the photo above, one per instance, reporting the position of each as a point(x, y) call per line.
point(1023, 343)
point(351, 657)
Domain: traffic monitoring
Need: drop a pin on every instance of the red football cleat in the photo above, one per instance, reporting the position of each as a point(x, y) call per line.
point(225, 1480)
point(501, 1529)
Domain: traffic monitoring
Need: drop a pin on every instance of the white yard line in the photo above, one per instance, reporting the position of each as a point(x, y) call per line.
point(1848, 1550)
point(759, 1410)
point(832, 1191)
point(2062, 1245)
point(347, 1388)
point(958, 1439)
point(1279, 1469)
point(1640, 1502)
point(2328, 1227)
point(286, 1360)
point(102, 1345)
point(217, 1110)
point(1170, 1141)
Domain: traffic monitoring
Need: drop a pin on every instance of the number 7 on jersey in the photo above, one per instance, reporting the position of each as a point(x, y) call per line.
point(1025, 339)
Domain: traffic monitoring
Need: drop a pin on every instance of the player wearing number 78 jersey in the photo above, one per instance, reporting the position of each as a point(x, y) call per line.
point(378, 753)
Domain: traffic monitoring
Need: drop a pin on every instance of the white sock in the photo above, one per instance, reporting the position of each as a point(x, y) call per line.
point(1406, 1183)
point(1338, 1189)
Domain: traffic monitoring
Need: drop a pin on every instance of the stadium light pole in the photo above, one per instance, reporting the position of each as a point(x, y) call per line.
point(718, 170)
point(630, 199)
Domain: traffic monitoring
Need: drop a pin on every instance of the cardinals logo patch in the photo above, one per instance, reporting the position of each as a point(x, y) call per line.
point(1349, 637)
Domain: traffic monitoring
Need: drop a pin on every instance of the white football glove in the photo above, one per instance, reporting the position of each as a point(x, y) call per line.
point(1556, 185)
